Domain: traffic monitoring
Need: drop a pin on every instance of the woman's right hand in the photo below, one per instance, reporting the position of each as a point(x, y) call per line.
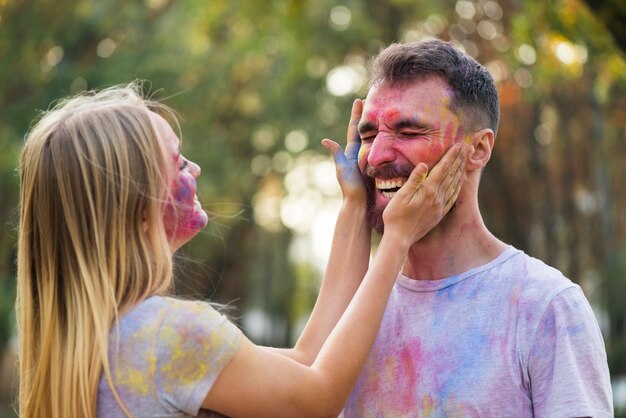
point(425, 198)
point(347, 164)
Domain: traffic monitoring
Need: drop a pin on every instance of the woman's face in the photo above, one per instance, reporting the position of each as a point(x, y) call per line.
point(183, 216)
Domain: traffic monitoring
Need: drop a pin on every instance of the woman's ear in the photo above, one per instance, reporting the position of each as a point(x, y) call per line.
point(483, 145)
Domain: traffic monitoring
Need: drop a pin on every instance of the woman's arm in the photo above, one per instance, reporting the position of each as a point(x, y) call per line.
point(350, 249)
point(348, 262)
point(261, 383)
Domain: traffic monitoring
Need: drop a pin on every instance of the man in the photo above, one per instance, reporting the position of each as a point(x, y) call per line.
point(474, 327)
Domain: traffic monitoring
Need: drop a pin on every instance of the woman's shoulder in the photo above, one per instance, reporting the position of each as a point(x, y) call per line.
point(171, 349)
point(191, 332)
point(155, 305)
point(163, 315)
point(186, 313)
point(170, 324)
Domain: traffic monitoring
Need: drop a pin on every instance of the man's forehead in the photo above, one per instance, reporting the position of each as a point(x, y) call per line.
point(374, 113)
point(417, 106)
point(383, 101)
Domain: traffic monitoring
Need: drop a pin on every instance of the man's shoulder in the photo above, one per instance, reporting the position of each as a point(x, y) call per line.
point(535, 273)
point(534, 282)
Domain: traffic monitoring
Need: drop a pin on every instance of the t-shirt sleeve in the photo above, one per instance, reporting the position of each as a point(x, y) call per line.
point(568, 369)
point(194, 344)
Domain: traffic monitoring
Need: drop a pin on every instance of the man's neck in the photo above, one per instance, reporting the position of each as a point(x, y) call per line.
point(459, 243)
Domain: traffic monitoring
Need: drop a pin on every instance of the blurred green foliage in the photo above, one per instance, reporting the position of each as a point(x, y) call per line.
point(244, 74)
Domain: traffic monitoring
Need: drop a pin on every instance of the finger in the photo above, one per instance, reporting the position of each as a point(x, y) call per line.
point(418, 175)
point(353, 138)
point(331, 146)
point(455, 182)
point(415, 180)
point(443, 172)
point(453, 179)
point(445, 165)
point(452, 199)
point(355, 117)
point(337, 153)
point(455, 186)
point(453, 191)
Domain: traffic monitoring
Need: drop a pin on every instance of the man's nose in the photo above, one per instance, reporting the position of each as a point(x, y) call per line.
point(381, 151)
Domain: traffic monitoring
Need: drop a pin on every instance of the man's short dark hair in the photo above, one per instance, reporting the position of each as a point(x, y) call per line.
point(475, 94)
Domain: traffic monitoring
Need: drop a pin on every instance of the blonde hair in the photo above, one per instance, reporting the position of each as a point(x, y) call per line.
point(91, 242)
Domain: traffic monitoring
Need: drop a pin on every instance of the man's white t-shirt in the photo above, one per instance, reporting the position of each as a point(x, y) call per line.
point(512, 338)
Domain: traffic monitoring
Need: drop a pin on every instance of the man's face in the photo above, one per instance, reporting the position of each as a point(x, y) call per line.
point(401, 126)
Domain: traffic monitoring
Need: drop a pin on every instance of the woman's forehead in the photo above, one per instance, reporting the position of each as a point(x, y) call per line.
point(166, 134)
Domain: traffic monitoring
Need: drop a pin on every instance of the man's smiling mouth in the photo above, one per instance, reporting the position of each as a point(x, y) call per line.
point(389, 187)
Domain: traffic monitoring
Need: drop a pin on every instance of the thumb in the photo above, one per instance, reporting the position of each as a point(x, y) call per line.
point(335, 150)
point(331, 145)
point(417, 177)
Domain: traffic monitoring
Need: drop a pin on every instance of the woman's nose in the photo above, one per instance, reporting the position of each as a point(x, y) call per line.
point(194, 169)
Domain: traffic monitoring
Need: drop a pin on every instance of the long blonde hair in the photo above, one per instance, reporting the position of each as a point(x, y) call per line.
point(91, 242)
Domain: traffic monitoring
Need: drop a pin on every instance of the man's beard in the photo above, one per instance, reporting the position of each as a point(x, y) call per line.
point(374, 213)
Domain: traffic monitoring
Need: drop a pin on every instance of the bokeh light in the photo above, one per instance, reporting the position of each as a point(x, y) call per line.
point(340, 18)
point(344, 80)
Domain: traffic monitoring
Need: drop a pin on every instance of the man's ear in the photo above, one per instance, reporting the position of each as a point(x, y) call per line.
point(483, 145)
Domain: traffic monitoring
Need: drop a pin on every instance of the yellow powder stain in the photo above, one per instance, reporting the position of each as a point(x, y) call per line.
point(135, 381)
point(191, 355)
point(362, 151)
point(190, 361)
point(428, 406)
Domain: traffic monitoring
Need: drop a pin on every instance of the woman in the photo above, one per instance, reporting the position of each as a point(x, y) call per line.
point(106, 198)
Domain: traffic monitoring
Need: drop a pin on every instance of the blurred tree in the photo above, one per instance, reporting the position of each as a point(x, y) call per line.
point(613, 14)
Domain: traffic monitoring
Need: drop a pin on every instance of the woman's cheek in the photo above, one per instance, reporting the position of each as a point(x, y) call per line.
point(184, 190)
point(182, 219)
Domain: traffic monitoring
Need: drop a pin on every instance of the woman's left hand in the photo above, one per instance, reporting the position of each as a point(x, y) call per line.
point(347, 163)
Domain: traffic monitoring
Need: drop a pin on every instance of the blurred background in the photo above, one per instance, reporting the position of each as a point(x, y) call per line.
point(259, 83)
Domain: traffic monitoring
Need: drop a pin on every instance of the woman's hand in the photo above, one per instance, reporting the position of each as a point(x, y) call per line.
point(347, 164)
point(425, 198)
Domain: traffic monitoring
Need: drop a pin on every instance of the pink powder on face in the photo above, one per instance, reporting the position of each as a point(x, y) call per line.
point(391, 115)
point(183, 217)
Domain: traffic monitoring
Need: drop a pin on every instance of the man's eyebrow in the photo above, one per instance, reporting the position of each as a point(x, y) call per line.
point(367, 127)
point(408, 123)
